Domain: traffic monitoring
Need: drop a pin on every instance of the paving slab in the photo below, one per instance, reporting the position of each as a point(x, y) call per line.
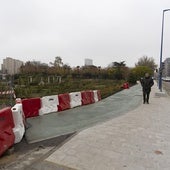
point(137, 140)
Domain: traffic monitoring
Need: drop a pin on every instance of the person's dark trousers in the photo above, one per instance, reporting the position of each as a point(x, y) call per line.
point(146, 96)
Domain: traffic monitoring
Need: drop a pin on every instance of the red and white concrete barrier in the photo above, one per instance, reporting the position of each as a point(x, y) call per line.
point(6, 133)
point(49, 104)
point(75, 99)
point(97, 95)
point(87, 97)
point(12, 120)
point(31, 107)
point(39, 106)
point(19, 122)
point(64, 102)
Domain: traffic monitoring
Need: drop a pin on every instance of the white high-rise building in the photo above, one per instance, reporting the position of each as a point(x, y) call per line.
point(88, 62)
point(167, 67)
point(11, 66)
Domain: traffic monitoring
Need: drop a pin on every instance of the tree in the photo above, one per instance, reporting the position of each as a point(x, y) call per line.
point(90, 72)
point(57, 62)
point(66, 70)
point(119, 64)
point(140, 71)
point(118, 69)
point(132, 78)
point(146, 61)
point(33, 67)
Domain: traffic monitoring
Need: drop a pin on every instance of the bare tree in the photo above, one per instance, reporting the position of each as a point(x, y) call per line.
point(146, 61)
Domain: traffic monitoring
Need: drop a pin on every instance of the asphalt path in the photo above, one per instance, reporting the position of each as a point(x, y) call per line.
point(73, 120)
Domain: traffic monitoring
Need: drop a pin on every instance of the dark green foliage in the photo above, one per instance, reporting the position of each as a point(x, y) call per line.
point(132, 78)
point(140, 71)
point(107, 87)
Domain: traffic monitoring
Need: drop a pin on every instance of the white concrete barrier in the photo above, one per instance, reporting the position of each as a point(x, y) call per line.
point(18, 117)
point(49, 104)
point(96, 99)
point(75, 99)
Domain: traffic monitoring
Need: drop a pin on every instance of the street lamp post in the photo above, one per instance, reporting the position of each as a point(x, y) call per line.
point(160, 67)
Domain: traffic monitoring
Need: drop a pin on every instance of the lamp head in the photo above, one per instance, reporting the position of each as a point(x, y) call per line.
point(166, 10)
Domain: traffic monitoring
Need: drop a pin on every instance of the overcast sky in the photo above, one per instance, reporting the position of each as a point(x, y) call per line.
point(102, 30)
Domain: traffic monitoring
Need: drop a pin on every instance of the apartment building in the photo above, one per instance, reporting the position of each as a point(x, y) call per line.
point(11, 66)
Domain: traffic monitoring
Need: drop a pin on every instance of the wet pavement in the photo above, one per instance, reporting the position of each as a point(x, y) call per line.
point(73, 120)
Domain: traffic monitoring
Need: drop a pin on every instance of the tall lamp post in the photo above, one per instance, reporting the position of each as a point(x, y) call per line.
point(161, 68)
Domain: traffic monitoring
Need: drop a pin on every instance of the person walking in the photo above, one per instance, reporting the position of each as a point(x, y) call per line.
point(146, 82)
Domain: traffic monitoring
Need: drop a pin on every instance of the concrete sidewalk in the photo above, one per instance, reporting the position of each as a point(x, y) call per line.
point(138, 140)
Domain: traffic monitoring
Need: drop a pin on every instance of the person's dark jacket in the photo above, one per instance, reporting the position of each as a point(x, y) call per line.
point(147, 83)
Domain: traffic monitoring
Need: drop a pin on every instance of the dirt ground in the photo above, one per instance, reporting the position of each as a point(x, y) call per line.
point(22, 155)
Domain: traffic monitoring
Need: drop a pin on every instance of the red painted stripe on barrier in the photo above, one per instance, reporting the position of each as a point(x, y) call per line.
point(6, 133)
point(64, 102)
point(6, 118)
point(6, 139)
point(31, 107)
point(87, 97)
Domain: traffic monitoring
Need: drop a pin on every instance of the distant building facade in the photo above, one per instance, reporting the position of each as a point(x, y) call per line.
point(166, 71)
point(88, 62)
point(11, 66)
